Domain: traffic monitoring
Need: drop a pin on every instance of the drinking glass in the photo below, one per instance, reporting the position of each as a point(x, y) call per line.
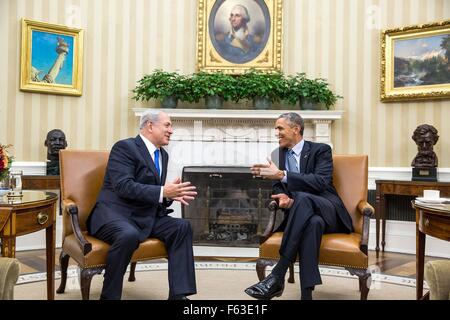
point(15, 184)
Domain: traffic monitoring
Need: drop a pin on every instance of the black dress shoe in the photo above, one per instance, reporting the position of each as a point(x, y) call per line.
point(178, 297)
point(266, 289)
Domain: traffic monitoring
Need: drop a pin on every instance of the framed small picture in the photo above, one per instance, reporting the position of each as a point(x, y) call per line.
point(236, 35)
point(51, 58)
point(415, 62)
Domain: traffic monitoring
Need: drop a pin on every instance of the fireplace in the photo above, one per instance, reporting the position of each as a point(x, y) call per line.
point(230, 208)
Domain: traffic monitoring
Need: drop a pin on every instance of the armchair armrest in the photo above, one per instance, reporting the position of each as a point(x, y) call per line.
point(367, 212)
point(365, 208)
point(273, 208)
point(71, 209)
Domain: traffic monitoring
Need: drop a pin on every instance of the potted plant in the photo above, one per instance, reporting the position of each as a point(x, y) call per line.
point(215, 87)
point(166, 86)
point(314, 94)
point(263, 88)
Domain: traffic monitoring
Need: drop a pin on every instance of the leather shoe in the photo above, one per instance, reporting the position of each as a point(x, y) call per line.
point(266, 289)
point(178, 297)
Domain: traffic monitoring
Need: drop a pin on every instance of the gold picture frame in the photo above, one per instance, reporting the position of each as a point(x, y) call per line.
point(234, 47)
point(415, 62)
point(51, 58)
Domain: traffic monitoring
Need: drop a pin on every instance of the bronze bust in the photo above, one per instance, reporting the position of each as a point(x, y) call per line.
point(425, 137)
point(55, 141)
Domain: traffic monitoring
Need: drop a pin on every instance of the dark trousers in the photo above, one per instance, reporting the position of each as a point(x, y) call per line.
point(309, 218)
point(123, 237)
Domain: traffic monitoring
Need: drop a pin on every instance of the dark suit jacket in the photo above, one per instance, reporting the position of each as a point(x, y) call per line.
point(316, 177)
point(131, 188)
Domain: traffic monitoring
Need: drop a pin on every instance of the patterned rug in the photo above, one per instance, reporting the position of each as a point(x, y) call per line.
point(220, 281)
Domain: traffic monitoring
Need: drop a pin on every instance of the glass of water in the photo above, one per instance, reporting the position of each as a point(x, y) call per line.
point(15, 184)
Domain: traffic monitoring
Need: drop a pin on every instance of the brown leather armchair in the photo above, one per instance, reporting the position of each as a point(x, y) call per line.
point(82, 175)
point(337, 249)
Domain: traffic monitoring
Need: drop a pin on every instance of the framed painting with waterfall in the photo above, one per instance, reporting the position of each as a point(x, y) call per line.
point(236, 35)
point(415, 62)
point(51, 58)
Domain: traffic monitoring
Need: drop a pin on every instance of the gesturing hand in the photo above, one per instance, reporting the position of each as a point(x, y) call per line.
point(180, 191)
point(284, 201)
point(267, 171)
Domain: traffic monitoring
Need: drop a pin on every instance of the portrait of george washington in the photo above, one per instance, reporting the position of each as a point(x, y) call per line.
point(239, 29)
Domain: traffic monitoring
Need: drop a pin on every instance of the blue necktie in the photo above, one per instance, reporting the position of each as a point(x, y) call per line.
point(157, 162)
point(292, 162)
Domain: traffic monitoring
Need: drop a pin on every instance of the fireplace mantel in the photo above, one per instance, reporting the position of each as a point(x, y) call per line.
point(317, 123)
point(244, 114)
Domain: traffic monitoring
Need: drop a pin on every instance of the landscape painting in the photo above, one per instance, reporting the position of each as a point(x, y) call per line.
point(422, 61)
point(415, 62)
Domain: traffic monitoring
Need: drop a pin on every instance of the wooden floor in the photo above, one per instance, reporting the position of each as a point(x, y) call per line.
point(390, 263)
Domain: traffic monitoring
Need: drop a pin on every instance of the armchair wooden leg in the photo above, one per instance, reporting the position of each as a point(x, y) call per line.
point(261, 265)
point(131, 277)
point(365, 279)
point(86, 277)
point(64, 263)
point(291, 278)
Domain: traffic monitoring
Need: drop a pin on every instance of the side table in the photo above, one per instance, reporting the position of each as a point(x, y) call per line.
point(432, 220)
point(398, 187)
point(34, 211)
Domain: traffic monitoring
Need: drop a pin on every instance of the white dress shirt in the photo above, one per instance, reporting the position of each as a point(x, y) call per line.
point(151, 149)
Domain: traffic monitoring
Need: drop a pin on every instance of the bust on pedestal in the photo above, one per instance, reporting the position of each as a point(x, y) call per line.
point(425, 163)
point(55, 141)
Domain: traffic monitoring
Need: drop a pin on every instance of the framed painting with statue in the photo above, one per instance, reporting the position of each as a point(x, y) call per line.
point(236, 35)
point(51, 58)
point(415, 62)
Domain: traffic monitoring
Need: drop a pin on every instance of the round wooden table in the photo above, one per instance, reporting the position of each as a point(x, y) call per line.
point(33, 211)
point(432, 220)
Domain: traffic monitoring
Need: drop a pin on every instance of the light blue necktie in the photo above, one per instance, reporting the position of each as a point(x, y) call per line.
point(157, 162)
point(292, 162)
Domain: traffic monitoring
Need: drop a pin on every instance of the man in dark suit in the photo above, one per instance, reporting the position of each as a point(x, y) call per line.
point(132, 206)
point(303, 187)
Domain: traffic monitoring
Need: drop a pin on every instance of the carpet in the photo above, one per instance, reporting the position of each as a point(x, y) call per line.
point(219, 281)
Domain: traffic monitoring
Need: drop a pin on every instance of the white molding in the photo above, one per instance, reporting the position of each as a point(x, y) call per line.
point(30, 168)
point(244, 114)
